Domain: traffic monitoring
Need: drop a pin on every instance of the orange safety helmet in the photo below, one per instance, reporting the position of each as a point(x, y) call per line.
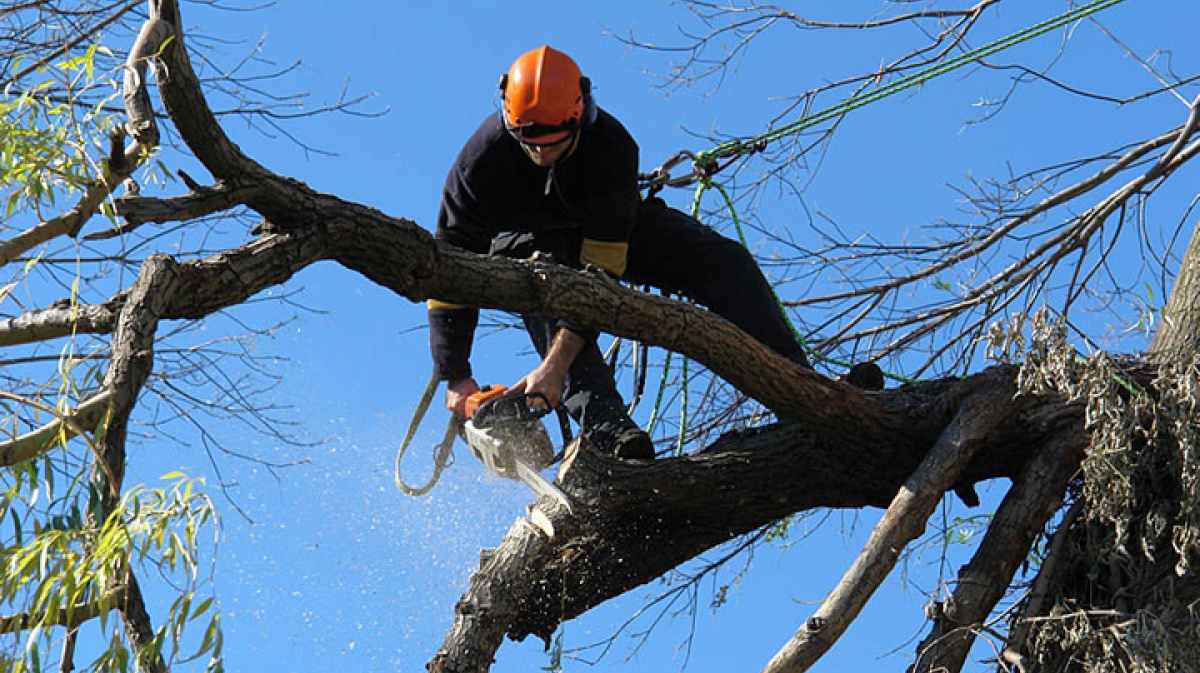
point(545, 96)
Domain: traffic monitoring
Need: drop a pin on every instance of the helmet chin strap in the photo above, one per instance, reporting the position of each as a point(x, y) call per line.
point(574, 143)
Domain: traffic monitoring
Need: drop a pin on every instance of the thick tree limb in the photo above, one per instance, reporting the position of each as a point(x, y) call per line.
point(1034, 497)
point(130, 365)
point(638, 521)
point(189, 110)
point(903, 522)
point(594, 301)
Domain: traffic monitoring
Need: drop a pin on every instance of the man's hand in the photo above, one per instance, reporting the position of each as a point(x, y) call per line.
point(457, 392)
point(549, 378)
point(545, 381)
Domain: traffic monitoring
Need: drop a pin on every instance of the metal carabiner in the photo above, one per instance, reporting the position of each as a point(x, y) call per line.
point(661, 176)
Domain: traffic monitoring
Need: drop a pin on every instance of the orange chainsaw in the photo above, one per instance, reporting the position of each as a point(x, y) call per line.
point(509, 439)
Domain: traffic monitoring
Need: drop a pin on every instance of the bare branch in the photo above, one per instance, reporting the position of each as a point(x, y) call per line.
point(978, 247)
point(84, 418)
point(1035, 496)
point(903, 522)
point(200, 202)
point(82, 38)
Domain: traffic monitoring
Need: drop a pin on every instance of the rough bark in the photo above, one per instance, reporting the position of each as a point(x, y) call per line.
point(836, 447)
point(130, 365)
point(1178, 335)
point(638, 521)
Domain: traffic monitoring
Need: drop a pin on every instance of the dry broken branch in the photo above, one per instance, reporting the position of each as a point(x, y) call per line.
point(903, 522)
point(1035, 496)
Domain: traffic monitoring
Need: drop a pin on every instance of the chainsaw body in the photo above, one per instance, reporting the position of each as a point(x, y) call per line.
point(510, 440)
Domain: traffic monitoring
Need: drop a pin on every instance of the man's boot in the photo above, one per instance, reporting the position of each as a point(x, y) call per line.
point(634, 444)
point(865, 376)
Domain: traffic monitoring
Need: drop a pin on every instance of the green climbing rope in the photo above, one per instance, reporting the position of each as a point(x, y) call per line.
point(742, 146)
point(705, 164)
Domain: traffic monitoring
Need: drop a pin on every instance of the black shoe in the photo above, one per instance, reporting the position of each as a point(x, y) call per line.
point(634, 444)
point(865, 376)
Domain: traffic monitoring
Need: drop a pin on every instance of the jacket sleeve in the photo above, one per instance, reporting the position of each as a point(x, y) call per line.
point(451, 333)
point(462, 222)
point(452, 326)
point(610, 212)
point(606, 237)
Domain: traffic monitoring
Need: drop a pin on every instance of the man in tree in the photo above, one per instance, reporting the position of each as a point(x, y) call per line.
point(554, 174)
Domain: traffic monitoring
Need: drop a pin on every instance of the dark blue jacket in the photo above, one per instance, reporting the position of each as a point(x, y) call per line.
point(497, 201)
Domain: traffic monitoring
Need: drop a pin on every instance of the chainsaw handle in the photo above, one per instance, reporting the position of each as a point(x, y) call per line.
point(511, 404)
point(538, 413)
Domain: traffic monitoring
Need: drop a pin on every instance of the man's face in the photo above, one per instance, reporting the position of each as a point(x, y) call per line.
point(546, 155)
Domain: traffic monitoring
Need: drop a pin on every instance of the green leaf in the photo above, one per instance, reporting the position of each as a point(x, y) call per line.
point(202, 608)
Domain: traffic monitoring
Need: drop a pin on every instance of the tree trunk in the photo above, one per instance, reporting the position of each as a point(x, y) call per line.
point(1178, 334)
point(1118, 588)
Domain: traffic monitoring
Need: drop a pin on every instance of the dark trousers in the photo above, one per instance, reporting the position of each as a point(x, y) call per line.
point(669, 250)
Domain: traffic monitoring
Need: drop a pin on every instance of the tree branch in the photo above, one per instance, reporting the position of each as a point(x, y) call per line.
point(60, 321)
point(130, 365)
point(188, 108)
point(85, 418)
point(70, 616)
point(644, 519)
point(903, 522)
point(201, 201)
point(1034, 497)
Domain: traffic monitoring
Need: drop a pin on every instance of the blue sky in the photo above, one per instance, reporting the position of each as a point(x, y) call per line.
point(330, 567)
